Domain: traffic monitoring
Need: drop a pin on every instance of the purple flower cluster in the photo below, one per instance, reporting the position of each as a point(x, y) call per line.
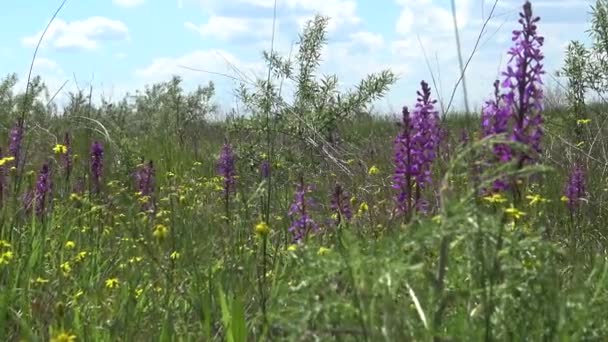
point(405, 169)
point(265, 169)
point(43, 188)
point(415, 150)
point(96, 165)
point(144, 176)
point(226, 168)
point(575, 187)
point(523, 80)
point(426, 135)
point(340, 205)
point(66, 158)
point(517, 112)
point(301, 221)
point(15, 141)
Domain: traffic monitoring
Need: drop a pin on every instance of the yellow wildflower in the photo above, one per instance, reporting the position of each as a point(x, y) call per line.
point(262, 229)
point(535, 199)
point(363, 208)
point(514, 212)
point(66, 268)
point(323, 251)
point(564, 198)
point(6, 257)
point(374, 170)
point(70, 245)
point(495, 198)
point(6, 160)
point(144, 199)
point(112, 283)
point(41, 280)
point(75, 197)
point(64, 337)
point(292, 248)
point(138, 292)
point(175, 255)
point(80, 256)
point(160, 232)
point(60, 149)
point(583, 121)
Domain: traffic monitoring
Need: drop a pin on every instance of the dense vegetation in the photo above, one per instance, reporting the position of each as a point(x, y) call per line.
point(307, 218)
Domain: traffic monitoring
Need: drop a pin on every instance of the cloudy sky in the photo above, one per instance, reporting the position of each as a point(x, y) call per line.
point(121, 45)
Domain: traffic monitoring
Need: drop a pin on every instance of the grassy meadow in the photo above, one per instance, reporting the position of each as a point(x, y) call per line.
point(309, 219)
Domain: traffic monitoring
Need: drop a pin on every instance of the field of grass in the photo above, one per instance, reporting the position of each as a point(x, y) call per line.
point(142, 220)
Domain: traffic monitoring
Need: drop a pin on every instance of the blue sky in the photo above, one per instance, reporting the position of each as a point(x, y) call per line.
point(118, 46)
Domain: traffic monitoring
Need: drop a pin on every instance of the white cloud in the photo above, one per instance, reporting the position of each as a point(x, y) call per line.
point(427, 15)
point(80, 34)
point(369, 40)
point(42, 63)
point(228, 28)
point(128, 3)
point(214, 61)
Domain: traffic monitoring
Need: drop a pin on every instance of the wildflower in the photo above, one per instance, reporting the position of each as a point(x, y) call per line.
point(43, 187)
point(574, 190)
point(112, 283)
point(74, 197)
point(405, 170)
point(523, 79)
point(60, 149)
point(374, 170)
point(415, 151)
point(64, 337)
point(81, 256)
point(292, 248)
point(495, 198)
point(514, 212)
point(426, 135)
point(226, 168)
point(138, 292)
point(70, 245)
point(6, 257)
point(262, 229)
point(301, 223)
point(363, 208)
point(66, 268)
point(144, 177)
point(6, 160)
point(517, 112)
point(175, 255)
point(265, 169)
point(340, 204)
point(15, 141)
point(96, 165)
point(583, 121)
point(160, 232)
point(323, 251)
point(535, 199)
point(41, 280)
